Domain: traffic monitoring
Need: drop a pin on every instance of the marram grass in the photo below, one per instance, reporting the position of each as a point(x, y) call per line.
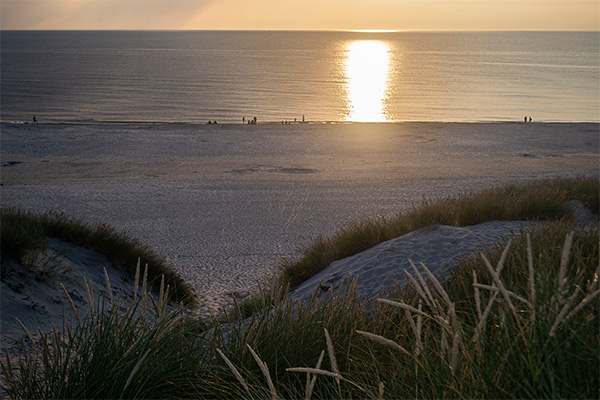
point(538, 200)
point(144, 352)
point(23, 232)
point(428, 339)
point(518, 321)
point(518, 346)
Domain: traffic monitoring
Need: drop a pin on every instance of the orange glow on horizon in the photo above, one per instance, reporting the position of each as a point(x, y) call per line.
point(356, 15)
point(375, 30)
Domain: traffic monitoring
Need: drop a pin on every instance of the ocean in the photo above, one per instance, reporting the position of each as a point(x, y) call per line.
point(197, 76)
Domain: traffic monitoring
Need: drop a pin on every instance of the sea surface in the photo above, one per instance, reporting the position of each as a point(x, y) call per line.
point(197, 76)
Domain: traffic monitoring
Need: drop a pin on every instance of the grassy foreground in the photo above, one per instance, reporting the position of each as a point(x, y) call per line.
point(24, 232)
point(517, 322)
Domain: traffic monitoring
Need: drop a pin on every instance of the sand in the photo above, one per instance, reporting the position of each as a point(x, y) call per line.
point(225, 204)
point(437, 246)
point(33, 293)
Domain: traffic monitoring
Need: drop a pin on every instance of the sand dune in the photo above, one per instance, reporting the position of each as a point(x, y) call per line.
point(436, 246)
point(32, 292)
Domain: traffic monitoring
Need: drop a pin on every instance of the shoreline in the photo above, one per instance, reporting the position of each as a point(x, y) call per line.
point(301, 123)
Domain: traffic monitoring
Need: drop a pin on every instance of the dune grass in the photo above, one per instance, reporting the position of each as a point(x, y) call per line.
point(538, 200)
point(519, 321)
point(144, 352)
point(453, 339)
point(512, 355)
point(23, 232)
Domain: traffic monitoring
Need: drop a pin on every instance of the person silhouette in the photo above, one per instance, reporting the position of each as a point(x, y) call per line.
point(34, 120)
point(530, 119)
point(525, 119)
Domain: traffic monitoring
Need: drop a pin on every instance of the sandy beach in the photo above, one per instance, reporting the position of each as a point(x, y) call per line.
point(226, 203)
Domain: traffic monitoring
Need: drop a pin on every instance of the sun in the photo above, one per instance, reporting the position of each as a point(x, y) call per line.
point(367, 73)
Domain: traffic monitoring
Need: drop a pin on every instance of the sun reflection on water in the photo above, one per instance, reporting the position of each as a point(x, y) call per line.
point(367, 73)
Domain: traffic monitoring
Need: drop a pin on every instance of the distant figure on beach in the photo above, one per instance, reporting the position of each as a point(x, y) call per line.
point(255, 120)
point(525, 119)
point(209, 122)
point(530, 119)
point(302, 117)
point(243, 119)
point(34, 120)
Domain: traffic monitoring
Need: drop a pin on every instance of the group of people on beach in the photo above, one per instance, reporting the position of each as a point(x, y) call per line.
point(286, 122)
point(252, 121)
point(525, 119)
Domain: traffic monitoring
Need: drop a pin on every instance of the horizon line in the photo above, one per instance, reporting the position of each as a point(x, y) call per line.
point(366, 31)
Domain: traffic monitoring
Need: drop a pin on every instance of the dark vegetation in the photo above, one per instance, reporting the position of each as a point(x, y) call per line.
point(24, 232)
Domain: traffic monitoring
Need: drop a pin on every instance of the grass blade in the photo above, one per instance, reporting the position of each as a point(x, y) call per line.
point(314, 371)
point(233, 369)
point(265, 370)
point(383, 341)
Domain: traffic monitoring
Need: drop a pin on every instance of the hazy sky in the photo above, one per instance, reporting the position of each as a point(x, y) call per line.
point(302, 14)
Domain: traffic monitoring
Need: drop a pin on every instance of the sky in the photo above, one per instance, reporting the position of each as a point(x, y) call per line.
point(300, 15)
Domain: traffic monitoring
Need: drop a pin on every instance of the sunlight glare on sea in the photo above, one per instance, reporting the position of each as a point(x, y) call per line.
point(367, 71)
